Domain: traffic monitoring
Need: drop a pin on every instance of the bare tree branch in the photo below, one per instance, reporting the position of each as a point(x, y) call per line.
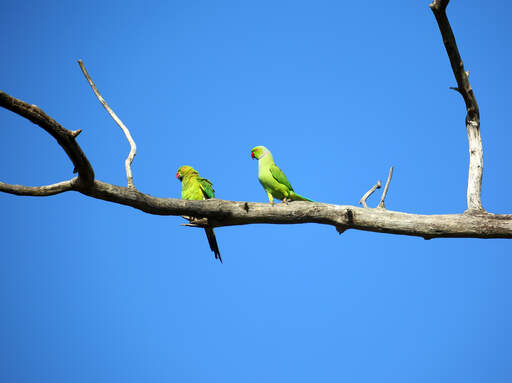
point(38, 191)
point(473, 113)
point(64, 137)
point(133, 147)
point(218, 213)
point(231, 213)
point(385, 192)
point(363, 199)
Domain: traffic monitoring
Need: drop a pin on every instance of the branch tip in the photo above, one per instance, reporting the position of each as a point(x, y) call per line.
point(341, 229)
point(75, 133)
point(191, 225)
point(439, 5)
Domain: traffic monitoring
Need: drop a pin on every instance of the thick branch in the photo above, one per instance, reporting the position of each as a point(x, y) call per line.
point(64, 137)
point(133, 147)
point(473, 114)
point(231, 213)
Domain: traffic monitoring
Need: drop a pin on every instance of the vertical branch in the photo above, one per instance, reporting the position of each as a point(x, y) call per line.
point(133, 147)
point(385, 192)
point(474, 191)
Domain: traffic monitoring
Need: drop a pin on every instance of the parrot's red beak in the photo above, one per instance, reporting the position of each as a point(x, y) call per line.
point(252, 155)
point(178, 175)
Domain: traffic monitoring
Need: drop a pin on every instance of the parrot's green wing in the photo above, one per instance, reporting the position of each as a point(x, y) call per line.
point(207, 188)
point(279, 176)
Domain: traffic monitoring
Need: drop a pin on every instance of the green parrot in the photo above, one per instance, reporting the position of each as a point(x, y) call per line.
point(197, 188)
point(272, 178)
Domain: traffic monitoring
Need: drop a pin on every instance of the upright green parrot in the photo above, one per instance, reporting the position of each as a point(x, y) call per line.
point(272, 178)
point(197, 188)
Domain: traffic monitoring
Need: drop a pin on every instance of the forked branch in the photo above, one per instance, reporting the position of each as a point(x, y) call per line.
point(229, 213)
point(217, 213)
point(64, 137)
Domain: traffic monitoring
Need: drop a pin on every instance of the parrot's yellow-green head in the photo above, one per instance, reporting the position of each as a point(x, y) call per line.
point(259, 151)
point(185, 171)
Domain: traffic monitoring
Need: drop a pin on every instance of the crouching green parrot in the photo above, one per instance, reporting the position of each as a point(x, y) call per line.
point(196, 188)
point(272, 178)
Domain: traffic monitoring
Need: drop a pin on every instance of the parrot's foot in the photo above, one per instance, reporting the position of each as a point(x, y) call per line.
point(285, 201)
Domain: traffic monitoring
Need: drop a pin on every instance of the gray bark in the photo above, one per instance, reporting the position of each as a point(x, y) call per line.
point(475, 222)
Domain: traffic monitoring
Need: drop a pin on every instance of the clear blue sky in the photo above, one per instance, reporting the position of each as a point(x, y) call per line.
point(91, 291)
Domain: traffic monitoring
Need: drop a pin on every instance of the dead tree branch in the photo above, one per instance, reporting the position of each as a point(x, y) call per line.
point(385, 192)
point(229, 213)
point(38, 191)
point(133, 147)
point(218, 213)
point(476, 161)
point(363, 199)
point(64, 137)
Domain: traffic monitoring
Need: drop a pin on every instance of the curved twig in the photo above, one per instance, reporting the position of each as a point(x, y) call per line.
point(363, 199)
point(133, 147)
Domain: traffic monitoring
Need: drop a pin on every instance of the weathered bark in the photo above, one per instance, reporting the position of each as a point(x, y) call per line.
point(133, 147)
point(65, 138)
point(476, 158)
point(475, 222)
point(230, 213)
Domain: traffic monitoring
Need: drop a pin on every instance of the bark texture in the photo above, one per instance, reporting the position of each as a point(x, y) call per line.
point(476, 157)
point(475, 222)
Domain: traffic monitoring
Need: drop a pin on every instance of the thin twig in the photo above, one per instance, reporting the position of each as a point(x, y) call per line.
point(133, 147)
point(362, 201)
point(196, 222)
point(385, 192)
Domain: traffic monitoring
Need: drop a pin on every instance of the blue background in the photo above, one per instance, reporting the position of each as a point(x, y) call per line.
point(92, 291)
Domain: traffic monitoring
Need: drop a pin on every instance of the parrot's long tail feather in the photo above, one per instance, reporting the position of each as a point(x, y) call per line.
point(212, 241)
point(297, 197)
